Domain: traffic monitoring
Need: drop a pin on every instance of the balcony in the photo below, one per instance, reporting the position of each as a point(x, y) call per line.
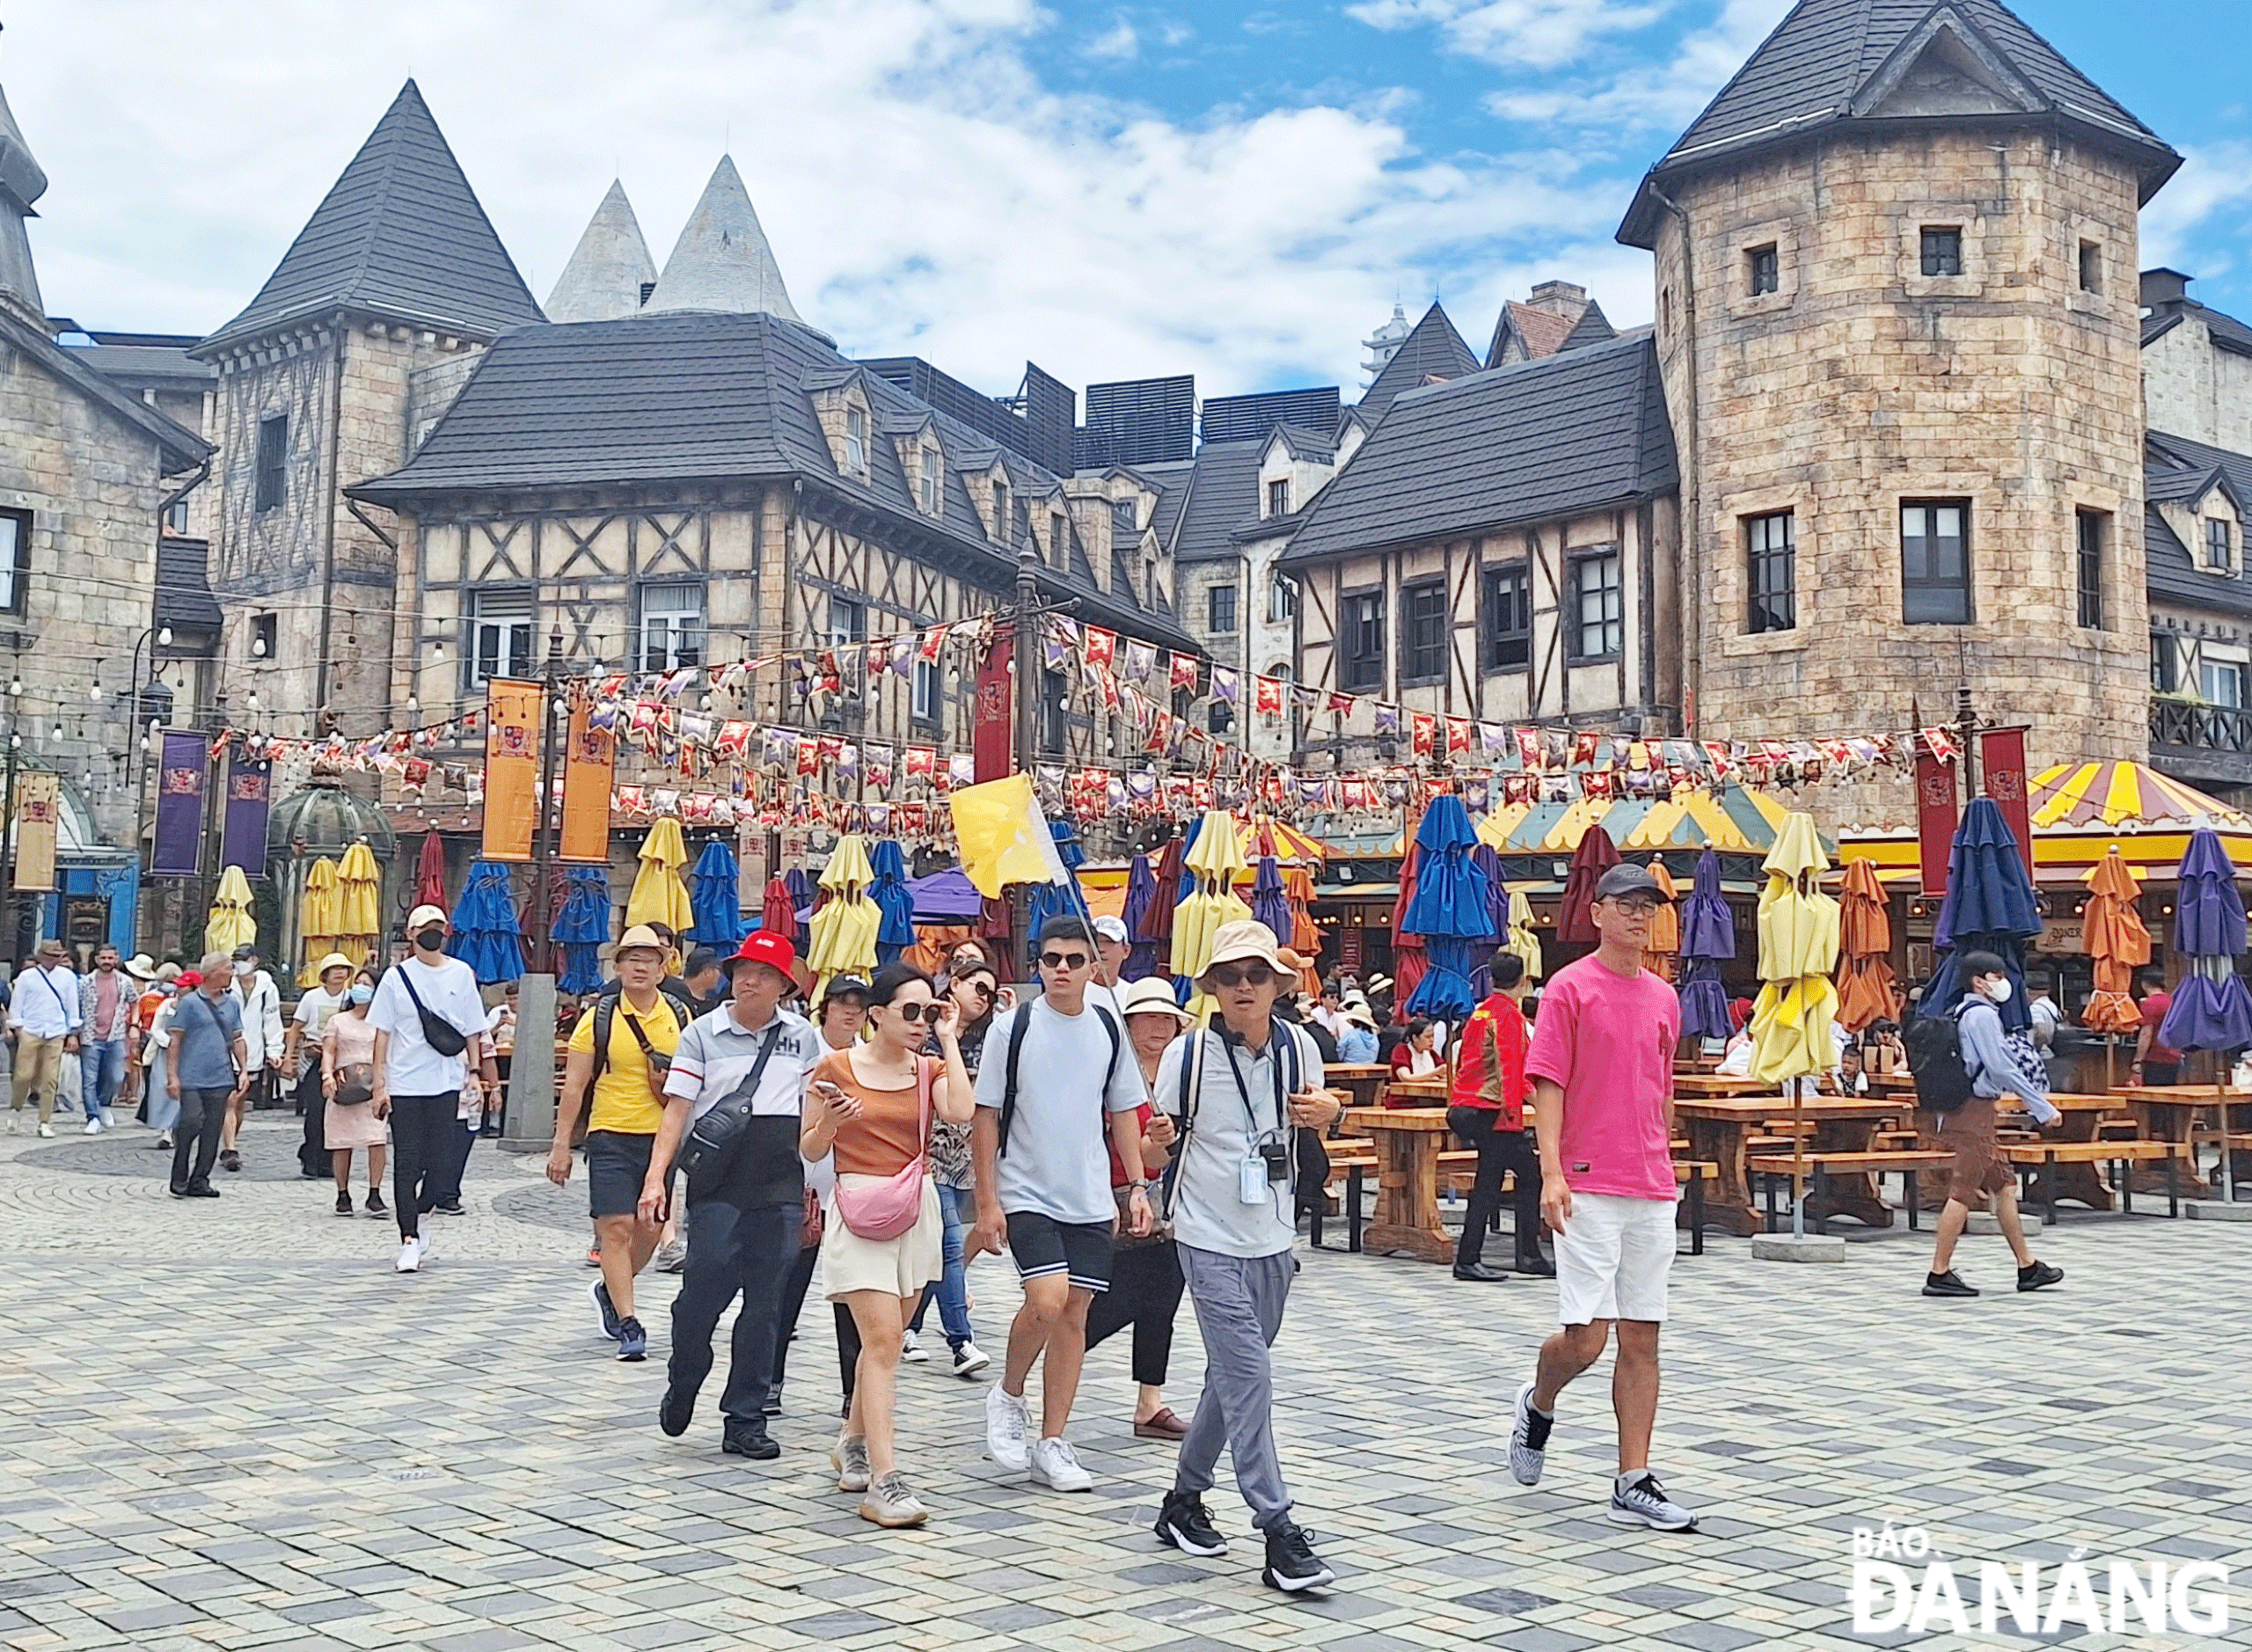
point(2209, 746)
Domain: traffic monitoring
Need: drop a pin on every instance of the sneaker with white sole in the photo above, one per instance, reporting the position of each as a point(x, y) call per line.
point(46, 1129)
point(910, 1348)
point(1529, 1439)
point(969, 1360)
point(94, 1126)
point(848, 1457)
point(607, 1318)
point(1291, 1563)
point(1008, 1430)
point(1638, 1499)
point(1185, 1523)
point(672, 1256)
point(1056, 1465)
point(410, 1257)
point(891, 1501)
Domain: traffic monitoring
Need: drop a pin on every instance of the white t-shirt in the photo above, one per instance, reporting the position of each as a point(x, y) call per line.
point(313, 1011)
point(1208, 1208)
point(447, 990)
point(1056, 1163)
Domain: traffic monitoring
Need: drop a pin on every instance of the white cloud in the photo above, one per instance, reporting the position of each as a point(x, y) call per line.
point(2196, 222)
point(1118, 43)
point(922, 190)
point(1513, 33)
point(1651, 95)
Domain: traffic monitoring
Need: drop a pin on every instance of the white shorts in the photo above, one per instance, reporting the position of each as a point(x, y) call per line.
point(901, 1266)
point(1612, 1258)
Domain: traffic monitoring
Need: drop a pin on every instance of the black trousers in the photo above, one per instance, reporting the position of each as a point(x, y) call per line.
point(312, 1153)
point(1498, 1151)
point(445, 1187)
point(202, 1113)
point(734, 1251)
point(1145, 1285)
point(420, 1126)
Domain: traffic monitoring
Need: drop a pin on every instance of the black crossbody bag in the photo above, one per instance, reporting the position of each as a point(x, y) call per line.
point(715, 1139)
point(437, 1032)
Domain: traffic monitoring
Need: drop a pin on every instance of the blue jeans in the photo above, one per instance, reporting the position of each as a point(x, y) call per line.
point(102, 1066)
point(951, 1288)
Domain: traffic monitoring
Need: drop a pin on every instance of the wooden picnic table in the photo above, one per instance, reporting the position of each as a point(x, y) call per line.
point(1431, 1090)
point(1409, 1142)
point(1718, 1128)
point(1713, 1083)
point(1361, 1080)
point(2083, 1114)
point(2167, 1112)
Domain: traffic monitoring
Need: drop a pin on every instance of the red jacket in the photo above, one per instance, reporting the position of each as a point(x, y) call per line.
point(1489, 1071)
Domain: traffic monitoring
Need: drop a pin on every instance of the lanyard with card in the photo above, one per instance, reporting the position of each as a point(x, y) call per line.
point(1267, 1161)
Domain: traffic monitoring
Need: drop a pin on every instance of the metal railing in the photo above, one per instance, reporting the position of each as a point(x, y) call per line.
point(2205, 728)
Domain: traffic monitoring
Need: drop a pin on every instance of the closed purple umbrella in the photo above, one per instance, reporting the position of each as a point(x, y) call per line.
point(2212, 1010)
point(1270, 902)
point(1707, 940)
point(1141, 897)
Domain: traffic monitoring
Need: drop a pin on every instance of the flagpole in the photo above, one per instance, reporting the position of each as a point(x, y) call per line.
point(528, 1121)
point(1027, 727)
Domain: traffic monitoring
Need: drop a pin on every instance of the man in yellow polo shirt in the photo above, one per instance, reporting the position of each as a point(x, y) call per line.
point(628, 1080)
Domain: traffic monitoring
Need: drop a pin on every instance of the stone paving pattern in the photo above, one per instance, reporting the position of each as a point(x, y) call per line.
point(228, 1424)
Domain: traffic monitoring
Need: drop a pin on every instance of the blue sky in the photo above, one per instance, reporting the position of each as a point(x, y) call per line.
point(1237, 190)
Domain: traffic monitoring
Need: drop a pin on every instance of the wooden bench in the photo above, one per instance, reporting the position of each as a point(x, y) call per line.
point(2042, 1157)
point(1694, 1173)
point(1353, 1167)
point(1906, 1161)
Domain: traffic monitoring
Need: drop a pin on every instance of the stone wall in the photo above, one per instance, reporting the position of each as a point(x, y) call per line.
point(1861, 383)
point(2190, 389)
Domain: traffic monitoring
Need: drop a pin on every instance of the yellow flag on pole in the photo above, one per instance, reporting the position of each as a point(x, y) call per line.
point(1003, 837)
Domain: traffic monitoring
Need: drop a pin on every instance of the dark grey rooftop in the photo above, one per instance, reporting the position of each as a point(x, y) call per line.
point(1580, 430)
point(2177, 469)
point(707, 397)
point(1433, 350)
point(1835, 63)
point(1223, 489)
point(147, 367)
point(401, 234)
point(178, 447)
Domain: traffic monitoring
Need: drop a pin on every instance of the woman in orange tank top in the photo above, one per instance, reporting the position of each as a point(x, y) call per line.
point(866, 1106)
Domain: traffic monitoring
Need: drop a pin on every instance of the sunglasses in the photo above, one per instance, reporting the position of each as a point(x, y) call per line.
point(1065, 961)
point(982, 988)
point(1257, 974)
point(912, 1013)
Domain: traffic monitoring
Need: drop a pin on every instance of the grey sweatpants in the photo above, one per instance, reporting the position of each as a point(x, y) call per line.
point(1239, 1302)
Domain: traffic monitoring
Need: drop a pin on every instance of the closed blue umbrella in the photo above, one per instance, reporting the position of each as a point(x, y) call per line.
point(1270, 902)
point(1141, 897)
point(802, 888)
point(1452, 909)
point(895, 932)
point(714, 898)
point(1044, 901)
point(1708, 941)
point(581, 927)
point(485, 935)
point(1989, 908)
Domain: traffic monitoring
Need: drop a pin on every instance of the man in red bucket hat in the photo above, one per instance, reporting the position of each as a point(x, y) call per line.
point(744, 1202)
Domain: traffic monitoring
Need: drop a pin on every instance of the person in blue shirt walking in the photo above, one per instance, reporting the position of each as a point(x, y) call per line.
point(1970, 1130)
point(209, 1068)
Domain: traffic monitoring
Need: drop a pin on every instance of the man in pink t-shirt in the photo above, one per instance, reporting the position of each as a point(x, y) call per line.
point(1602, 1067)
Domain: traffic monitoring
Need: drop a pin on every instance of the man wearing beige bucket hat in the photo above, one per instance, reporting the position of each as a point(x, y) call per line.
point(301, 1057)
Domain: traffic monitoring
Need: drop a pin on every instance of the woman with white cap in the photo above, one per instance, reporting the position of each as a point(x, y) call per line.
point(301, 1055)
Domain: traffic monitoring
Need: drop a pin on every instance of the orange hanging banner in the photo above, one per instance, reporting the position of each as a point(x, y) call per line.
point(511, 768)
point(39, 813)
point(589, 757)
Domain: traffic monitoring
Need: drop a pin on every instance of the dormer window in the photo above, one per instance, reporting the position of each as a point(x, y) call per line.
point(1122, 518)
point(856, 441)
point(927, 476)
point(1000, 511)
point(2219, 546)
point(1059, 536)
point(1278, 497)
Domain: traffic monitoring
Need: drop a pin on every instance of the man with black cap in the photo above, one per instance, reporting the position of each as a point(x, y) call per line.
point(1602, 1067)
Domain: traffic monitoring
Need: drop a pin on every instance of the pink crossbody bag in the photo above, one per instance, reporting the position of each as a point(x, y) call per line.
point(888, 1207)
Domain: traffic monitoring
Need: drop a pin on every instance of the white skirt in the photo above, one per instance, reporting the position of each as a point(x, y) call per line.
point(902, 1266)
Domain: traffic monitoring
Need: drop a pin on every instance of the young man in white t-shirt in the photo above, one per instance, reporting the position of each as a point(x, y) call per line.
point(418, 1088)
point(1044, 1187)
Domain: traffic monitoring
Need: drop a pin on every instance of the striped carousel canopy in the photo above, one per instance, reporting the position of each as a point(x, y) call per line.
point(2114, 794)
point(1736, 821)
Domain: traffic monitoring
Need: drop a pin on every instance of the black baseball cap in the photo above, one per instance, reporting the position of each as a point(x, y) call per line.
point(1626, 879)
point(846, 987)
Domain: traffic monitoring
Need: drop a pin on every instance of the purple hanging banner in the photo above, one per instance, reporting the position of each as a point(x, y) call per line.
point(250, 793)
point(177, 850)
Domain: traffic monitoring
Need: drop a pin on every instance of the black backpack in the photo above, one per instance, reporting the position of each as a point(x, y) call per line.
point(1935, 1045)
point(1018, 1022)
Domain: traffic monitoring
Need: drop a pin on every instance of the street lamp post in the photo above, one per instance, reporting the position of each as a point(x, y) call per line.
point(530, 1124)
point(1027, 721)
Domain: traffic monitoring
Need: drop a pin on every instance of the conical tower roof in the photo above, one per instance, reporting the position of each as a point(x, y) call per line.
point(21, 183)
point(722, 261)
point(609, 269)
point(1431, 352)
point(1882, 64)
point(399, 235)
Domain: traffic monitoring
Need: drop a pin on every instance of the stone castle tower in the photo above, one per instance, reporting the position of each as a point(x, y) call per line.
point(1896, 312)
point(376, 313)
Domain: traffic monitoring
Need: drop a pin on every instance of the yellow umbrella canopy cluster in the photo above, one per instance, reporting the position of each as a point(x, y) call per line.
point(230, 925)
point(841, 938)
point(1216, 858)
point(360, 903)
point(659, 897)
point(1522, 938)
point(319, 919)
point(1798, 949)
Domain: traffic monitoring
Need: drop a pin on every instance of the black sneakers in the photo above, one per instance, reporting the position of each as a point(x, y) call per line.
point(676, 1411)
point(1291, 1563)
point(2035, 1275)
point(746, 1439)
point(1947, 1284)
point(1479, 1273)
point(1184, 1522)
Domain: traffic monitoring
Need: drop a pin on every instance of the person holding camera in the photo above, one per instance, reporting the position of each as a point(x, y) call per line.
point(1240, 1095)
point(429, 1024)
point(732, 1104)
point(622, 1049)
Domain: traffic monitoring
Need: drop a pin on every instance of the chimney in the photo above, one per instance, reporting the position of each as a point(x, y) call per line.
point(1565, 298)
point(2164, 287)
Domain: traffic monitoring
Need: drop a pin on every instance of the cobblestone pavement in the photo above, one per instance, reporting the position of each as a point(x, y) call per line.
point(229, 1424)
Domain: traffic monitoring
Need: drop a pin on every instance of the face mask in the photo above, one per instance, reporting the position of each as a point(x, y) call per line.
point(1998, 990)
point(361, 994)
point(430, 940)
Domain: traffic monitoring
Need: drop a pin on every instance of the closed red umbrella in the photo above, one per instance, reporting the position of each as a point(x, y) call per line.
point(1157, 923)
point(1596, 855)
point(776, 910)
point(1409, 962)
point(430, 872)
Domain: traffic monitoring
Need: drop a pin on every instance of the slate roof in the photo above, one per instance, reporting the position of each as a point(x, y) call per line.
point(1223, 489)
point(1829, 62)
point(183, 597)
point(2177, 469)
point(699, 397)
point(610, 268)
point(1593, 327)
point(178, 447)
point(1432, 350)
point(1309, 445)
point(2228, 333)
point(147, 367)
point(401, 234)
point(1581, 430)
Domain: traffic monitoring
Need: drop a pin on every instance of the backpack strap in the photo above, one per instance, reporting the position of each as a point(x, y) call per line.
point(1117, 1043)
point(1192, 1085)
point(605, 1019)
point(1019, 1017)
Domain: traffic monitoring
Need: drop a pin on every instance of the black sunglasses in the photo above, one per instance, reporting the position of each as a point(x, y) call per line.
point(1257, 974)
point(982, 988)
point(911, 1013)
point(1065, 961)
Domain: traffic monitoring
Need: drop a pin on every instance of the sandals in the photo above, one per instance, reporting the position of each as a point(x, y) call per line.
point(1161, 1425)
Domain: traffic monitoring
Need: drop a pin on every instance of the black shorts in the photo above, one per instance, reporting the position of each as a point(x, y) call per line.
point(618, 1163)
point(1041, 1246)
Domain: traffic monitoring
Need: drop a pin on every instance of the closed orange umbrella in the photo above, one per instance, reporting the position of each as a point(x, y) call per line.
point(2117, 944)
point(1665, 925)
point(1867, 993)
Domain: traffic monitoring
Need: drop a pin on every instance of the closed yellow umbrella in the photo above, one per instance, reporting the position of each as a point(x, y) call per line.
point(230, 925)
point(360, 903)
point(659, 897)
point(1791, 1020)
point(1522, 939)
point(318, 918)
point(1216, 858)
point(841, 938)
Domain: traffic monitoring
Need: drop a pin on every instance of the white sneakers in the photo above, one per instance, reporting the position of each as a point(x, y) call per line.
point(46, 1129)
point(1008, 1428)
point(969, 1360)
point(1056, 1467)
point(94, 1126)
point(910, 1348)
point(412, 1255)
